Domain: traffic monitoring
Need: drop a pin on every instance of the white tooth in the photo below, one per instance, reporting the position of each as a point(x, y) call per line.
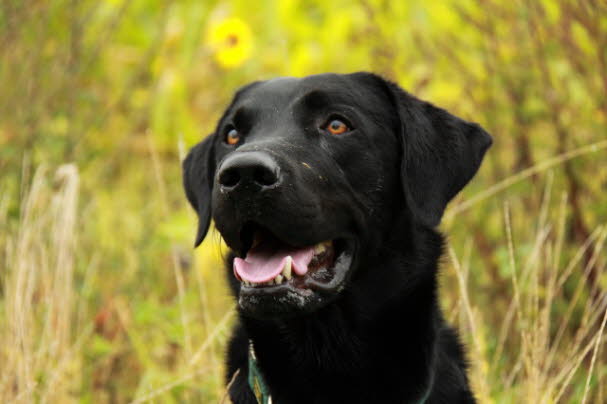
point(286, 271)
point(278, 279)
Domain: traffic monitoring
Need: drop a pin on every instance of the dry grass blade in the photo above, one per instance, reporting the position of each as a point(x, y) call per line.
point(594, 354)
point(177, 270)
point(221, 325)
point(568, 371)
point(167, 387)
point(526, 173)
point(38, 292)
point(578, 292)
point(481, 367)
point(225, 399)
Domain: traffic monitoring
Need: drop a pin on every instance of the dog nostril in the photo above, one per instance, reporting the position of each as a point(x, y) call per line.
point(229, 177)
point(251, 171)
point(265, 176)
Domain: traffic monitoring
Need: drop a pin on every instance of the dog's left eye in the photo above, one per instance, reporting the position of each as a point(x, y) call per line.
point(336, 127)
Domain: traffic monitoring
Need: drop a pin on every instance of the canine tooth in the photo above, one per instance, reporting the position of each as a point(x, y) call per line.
point(286, 271)
point(319, 248)
point(278, 279)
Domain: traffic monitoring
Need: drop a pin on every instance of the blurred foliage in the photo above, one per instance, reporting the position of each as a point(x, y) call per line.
point(122, 88)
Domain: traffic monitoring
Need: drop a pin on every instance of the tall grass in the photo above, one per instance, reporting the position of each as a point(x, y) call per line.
point(39, 348)
point(547, 349)
point(57, 344)
point(540, 355)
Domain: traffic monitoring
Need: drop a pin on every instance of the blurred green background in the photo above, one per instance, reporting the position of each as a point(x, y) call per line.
point(102, 297)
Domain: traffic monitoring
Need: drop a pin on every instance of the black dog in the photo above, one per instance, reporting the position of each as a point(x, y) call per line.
point(328, 190)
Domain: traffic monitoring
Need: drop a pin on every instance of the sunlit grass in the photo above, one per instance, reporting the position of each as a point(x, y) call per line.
point(52, 337)
point(538, 354)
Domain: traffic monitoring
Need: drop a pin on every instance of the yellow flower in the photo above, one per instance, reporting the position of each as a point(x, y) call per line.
point(231, 41)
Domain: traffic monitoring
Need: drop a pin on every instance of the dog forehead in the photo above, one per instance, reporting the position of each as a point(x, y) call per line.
point(282, 91)
point(357, 89)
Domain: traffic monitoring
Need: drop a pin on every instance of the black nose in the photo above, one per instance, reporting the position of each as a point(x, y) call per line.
point(255, 169)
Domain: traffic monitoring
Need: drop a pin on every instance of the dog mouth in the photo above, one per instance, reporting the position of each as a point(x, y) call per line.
point(290, 275)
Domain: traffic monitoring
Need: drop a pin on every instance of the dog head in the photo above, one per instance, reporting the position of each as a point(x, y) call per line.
point(305, 178)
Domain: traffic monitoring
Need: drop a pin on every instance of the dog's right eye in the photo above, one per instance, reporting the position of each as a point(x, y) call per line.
point(232, 137)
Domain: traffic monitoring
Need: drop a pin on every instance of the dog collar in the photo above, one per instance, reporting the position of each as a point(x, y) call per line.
point(256, 380)
point(260, 388)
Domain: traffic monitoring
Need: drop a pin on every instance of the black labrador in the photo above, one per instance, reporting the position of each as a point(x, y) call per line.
point(328, 190)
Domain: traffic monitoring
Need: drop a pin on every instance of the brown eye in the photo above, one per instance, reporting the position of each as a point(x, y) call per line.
point(232, 137)
point(337, 127)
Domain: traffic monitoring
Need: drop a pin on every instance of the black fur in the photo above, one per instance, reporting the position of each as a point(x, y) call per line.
point(381, 338)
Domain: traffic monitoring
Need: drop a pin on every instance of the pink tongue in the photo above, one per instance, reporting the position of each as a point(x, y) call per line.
point(263, 264)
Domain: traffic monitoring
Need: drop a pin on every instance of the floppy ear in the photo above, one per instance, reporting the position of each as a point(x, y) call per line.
point(441, 153)
point(198, 172)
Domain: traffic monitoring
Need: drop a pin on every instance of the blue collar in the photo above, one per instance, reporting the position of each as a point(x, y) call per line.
point(256, 381)
point(259, 387)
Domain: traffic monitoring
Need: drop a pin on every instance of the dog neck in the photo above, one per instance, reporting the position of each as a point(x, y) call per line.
point(334, 347)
